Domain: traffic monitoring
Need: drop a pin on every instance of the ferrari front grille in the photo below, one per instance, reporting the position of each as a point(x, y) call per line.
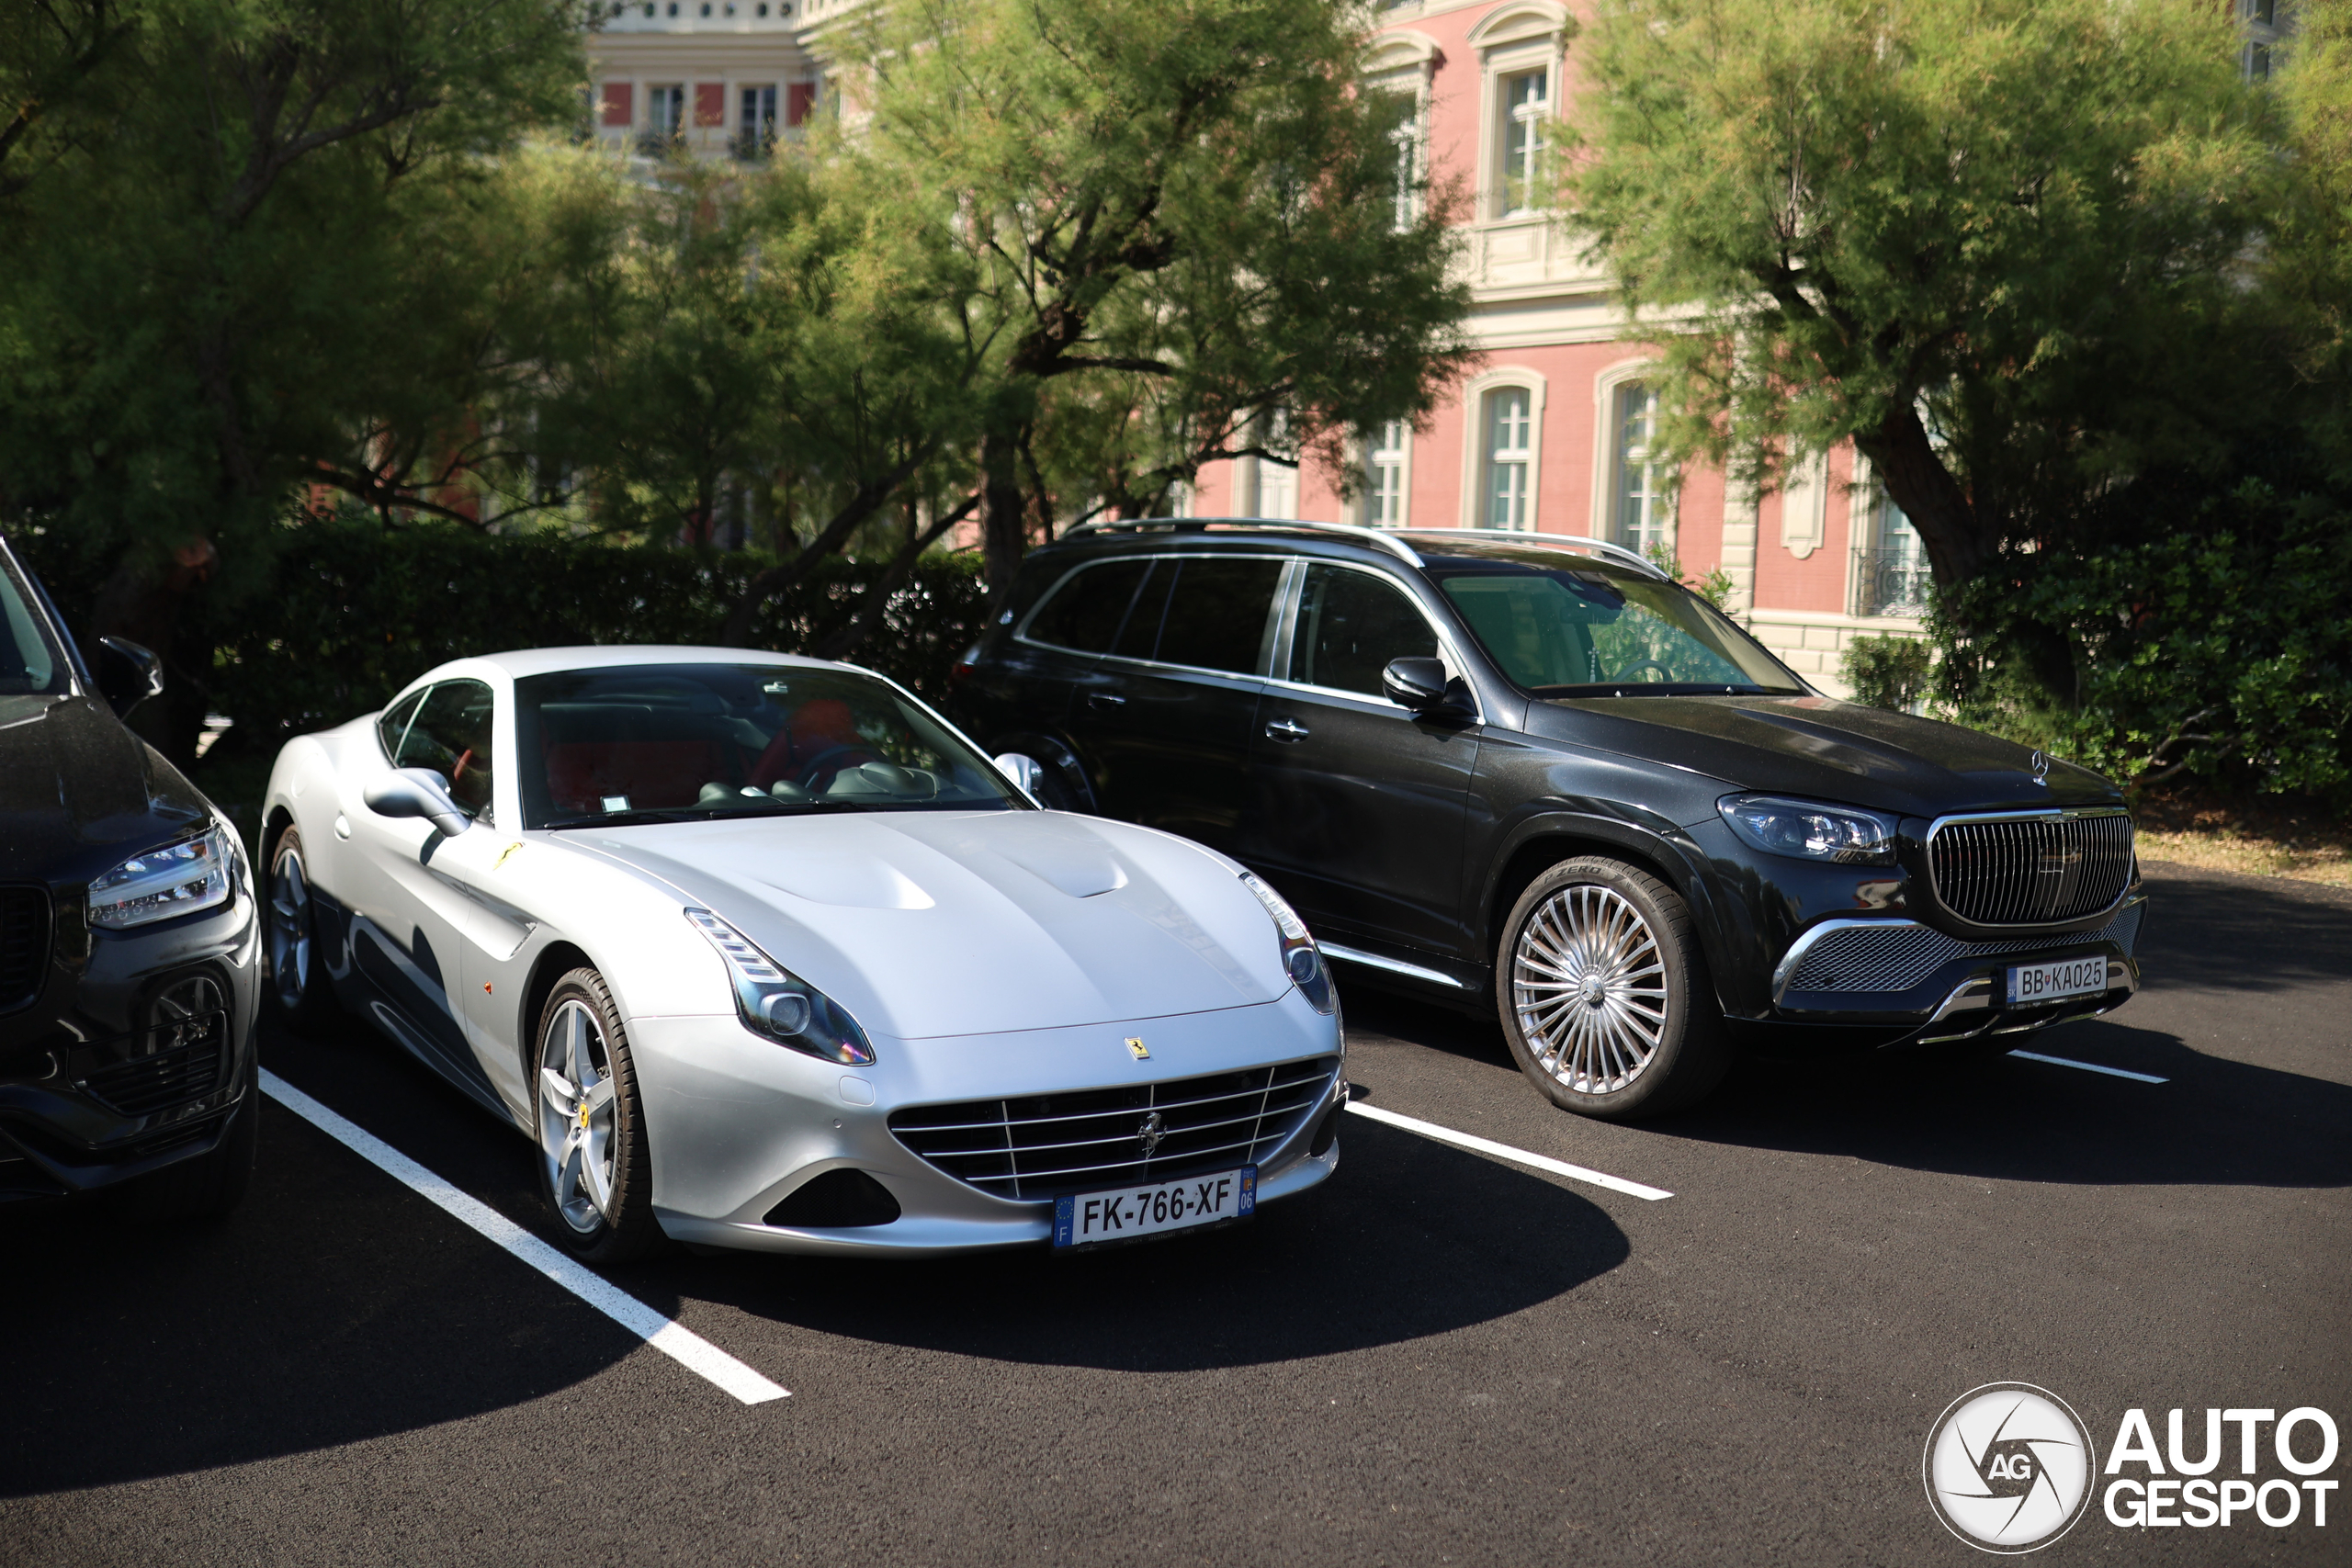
point(1040, 1147)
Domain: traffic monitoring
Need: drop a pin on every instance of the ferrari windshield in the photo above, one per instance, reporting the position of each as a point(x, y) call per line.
point(1591, 631)
point(685, 742)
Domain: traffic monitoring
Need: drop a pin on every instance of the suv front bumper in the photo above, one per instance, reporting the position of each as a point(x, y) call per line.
point(1923, 985)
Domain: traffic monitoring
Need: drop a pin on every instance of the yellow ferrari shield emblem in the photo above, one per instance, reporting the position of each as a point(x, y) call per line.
point(1135, 1048)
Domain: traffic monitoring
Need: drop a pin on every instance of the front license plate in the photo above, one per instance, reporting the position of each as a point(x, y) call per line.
point(1089, 1219)
point(2031, 983)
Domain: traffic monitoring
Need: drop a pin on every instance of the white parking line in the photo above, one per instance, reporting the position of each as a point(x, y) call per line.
point(689, 1350)
point(2089, 1067)
point(1504, 1151)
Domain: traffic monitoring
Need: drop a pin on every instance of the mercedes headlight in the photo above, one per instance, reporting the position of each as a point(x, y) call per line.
point(1843, 835)
point(777, 1004)
point(1302, 961)
point(179, 879)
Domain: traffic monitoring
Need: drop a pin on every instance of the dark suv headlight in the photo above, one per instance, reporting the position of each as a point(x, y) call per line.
point(778, 1005)
point(1808, 829)
point(161, 884)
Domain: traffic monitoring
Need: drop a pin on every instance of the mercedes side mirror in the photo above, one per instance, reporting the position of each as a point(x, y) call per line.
point(127, 675)
point(417, 792)
point(1418, 685)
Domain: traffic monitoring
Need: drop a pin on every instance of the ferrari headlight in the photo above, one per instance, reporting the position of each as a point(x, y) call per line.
point(180, 879)
point(777, 1004)
point(1302, 961)
point(1845, 835)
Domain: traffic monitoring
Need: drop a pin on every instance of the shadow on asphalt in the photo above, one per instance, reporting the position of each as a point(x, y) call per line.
point(2236, 934)
point(335, 1306)
point(1973, 1112)
point(1409, 1238)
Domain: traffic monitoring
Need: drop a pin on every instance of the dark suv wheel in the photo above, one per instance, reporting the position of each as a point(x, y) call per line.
point(1604, 997)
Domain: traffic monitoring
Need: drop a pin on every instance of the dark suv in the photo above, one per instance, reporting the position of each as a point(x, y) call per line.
point(129, 942)
point(1531, 774)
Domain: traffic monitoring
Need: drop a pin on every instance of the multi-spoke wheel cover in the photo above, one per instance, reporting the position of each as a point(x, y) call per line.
point(289, 927)
point(1589, 987)
point(576, 1121)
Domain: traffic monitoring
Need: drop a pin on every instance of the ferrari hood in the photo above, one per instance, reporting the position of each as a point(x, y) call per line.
point(926, 924)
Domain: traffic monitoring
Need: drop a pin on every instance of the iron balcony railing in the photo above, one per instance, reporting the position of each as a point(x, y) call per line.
point(1889, 582)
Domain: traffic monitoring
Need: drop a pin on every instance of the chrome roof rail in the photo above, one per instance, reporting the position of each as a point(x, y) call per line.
point(1380, 538)
point(1569, 541)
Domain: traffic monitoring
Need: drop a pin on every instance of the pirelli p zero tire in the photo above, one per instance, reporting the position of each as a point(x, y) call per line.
point(595, 1164)
point(299, 991)
point(1604, 995)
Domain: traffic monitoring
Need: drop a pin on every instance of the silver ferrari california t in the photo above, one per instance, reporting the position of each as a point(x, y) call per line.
point(762, 952)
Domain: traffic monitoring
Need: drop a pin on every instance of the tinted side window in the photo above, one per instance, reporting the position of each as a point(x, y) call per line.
point(1217, 615)
point(1085, 612)
point(451, 736)
point(394, 722)
point(1350, 623)
point(1141, 634)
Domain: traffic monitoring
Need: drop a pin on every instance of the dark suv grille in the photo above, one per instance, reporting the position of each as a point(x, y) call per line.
point(24, 945)
point(2031, 871)
point(1043, 1145)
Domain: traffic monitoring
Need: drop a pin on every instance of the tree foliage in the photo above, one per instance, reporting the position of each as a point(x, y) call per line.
point(1178, 223)
point(1997, 244)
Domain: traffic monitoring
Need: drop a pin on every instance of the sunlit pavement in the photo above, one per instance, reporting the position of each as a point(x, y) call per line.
point(1445, 1354)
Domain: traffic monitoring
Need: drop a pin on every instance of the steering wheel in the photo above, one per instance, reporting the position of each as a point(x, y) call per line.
point(823, 764)
point(1630, 670)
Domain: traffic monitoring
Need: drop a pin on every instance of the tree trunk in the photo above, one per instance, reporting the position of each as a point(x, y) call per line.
point(783, 575)
point(1917, 480)
point(1004, 523)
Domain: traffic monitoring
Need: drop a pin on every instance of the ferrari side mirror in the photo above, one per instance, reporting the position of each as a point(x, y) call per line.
point(417, 792)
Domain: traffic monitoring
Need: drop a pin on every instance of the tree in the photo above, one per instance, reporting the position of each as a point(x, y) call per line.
point(1179, 227)
point(1999, 245)
point(231, 248)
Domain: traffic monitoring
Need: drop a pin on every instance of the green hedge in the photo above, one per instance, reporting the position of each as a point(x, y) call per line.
point(349, 613)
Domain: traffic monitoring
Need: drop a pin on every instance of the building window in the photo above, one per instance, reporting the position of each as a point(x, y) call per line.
point(1891, 573)
point(756, 127)
point(666, 117)
point(1399, 113)
point(1384, 498)
point(1526, 103)
point(1509, 452)
point(1640, 485)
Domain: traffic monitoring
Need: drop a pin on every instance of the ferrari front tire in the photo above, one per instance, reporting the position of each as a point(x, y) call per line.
point(595, 1164)
point(299, 990)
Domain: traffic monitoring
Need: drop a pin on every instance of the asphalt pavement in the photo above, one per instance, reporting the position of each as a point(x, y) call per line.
point(1442, 1356)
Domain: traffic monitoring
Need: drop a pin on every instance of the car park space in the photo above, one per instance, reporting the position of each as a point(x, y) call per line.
point(1438, 1356)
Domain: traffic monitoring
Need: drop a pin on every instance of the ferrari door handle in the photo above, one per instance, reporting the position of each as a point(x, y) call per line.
point(1286, 729)
point(1105, 699)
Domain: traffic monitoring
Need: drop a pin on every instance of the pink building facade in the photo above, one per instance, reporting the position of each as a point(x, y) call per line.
point(1550, 433)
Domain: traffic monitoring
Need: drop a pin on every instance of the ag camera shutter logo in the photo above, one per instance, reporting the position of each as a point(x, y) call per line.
point(2009, 1468)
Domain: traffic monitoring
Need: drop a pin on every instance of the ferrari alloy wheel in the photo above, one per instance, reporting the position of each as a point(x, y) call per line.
point(594, 1167)
point(298, 978)
point(1605, 999)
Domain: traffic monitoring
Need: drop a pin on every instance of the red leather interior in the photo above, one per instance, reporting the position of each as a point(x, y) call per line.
point(652, 773)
